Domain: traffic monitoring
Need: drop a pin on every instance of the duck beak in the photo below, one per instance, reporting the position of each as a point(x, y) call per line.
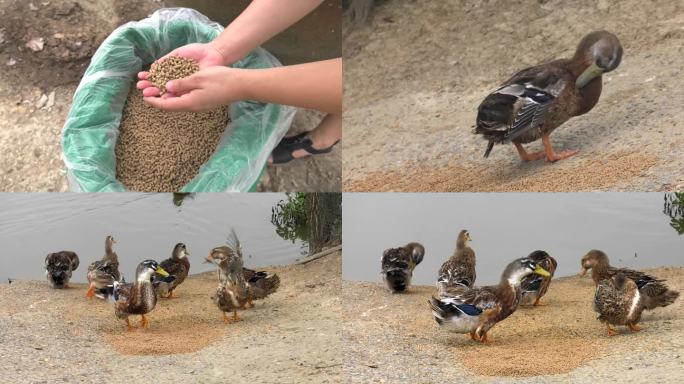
point(588, 75)
point(541, 271)
point(161, 271)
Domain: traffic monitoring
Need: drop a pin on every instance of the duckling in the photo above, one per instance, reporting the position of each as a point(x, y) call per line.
point(618, 302)
point(104, 272)
point(534, 287)
point(477, 310)
point(59, 266)
point(537, 100)
point(177, 265)
point(459, 269)
point(652, 290)
point(137, 298)
point(398, 264)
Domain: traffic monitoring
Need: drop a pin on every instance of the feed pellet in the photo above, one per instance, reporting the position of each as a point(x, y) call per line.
point(161, 151)
point(171, 68)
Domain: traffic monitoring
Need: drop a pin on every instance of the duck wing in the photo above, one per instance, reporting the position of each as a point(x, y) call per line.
point(520, 104)
point(395, 259)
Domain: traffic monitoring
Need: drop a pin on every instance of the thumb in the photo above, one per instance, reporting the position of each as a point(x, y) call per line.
point(183, 85)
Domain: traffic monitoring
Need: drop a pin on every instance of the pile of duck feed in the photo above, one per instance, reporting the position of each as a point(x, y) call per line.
point(161, 151)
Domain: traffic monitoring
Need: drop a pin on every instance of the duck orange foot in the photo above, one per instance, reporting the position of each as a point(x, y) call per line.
point(90, 293)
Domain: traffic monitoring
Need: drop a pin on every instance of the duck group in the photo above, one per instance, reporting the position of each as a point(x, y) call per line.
point(459, 305)
point(238, 286)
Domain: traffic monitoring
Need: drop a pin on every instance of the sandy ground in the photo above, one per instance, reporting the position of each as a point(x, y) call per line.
point(52, 336)
point(416, 74)
point(394, 339)
point(30, 128)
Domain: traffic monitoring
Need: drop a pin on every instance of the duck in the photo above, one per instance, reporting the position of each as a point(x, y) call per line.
point(459, 269)
point(476, 310)
point(618, 302)
point(105, 271)
point(260, 284)
point(534, 286)
point(59, 267)
point(177, 265)
point(654, 293)
point(537, 100)
point(397, 265)
point(137, 298)
point(234, 290)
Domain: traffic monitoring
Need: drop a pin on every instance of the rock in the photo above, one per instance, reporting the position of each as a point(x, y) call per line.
point(11, 62)
point(36, 44)
point(50, 100)
point(41, 102)
point(32, 7)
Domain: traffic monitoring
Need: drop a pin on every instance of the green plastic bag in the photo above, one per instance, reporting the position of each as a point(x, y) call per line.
point(91, 130)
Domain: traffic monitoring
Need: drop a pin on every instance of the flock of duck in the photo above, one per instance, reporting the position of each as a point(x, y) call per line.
point(462, 307)
point(237, 287)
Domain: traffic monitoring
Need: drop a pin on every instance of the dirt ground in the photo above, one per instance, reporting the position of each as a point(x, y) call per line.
point(393, 338)
point(415, 75)
point(36, 89)
point(52, 335)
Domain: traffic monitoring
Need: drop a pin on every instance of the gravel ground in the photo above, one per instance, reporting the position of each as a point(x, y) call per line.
point(293, 336)
point(31, 120)
point(393, 339)
point(415, 76)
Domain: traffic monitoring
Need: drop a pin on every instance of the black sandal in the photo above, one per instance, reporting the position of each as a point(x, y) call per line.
point(282, 153)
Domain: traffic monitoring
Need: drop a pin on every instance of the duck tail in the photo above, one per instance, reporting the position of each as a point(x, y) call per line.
point(439, 310)
point(271, 284)
point(262, 285)
point(397, 280)
point(490, 146)
point(664, 299)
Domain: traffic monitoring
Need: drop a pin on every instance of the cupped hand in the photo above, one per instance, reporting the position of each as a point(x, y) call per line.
point(205, 90)
point(206, 56)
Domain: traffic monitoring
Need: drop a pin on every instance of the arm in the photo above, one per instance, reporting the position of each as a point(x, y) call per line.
point(259, 22)
point(316, 85)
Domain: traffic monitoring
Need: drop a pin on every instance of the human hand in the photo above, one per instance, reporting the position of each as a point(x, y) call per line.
point(206, 55)
point(205, 90)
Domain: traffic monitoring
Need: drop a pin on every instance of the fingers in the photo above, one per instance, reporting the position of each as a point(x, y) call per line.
point(183, 85)
point(168, 103)
point(143, 75)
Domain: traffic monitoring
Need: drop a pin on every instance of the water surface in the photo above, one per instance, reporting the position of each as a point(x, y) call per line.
point(630, 227)
point(145, 226)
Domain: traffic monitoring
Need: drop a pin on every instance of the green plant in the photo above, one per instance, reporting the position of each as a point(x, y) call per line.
point(290, 217)
point(674, 208)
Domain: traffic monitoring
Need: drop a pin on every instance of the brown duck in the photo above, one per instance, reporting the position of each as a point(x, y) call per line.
point(618, 302)
point(477, 310)
point(534, 287)
point(652, 290)
point(104, 272)
point(459, 270)
point(397, 265)
point(177, 265)
point(137, 298)
point(59, 267)
point(537, 100)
